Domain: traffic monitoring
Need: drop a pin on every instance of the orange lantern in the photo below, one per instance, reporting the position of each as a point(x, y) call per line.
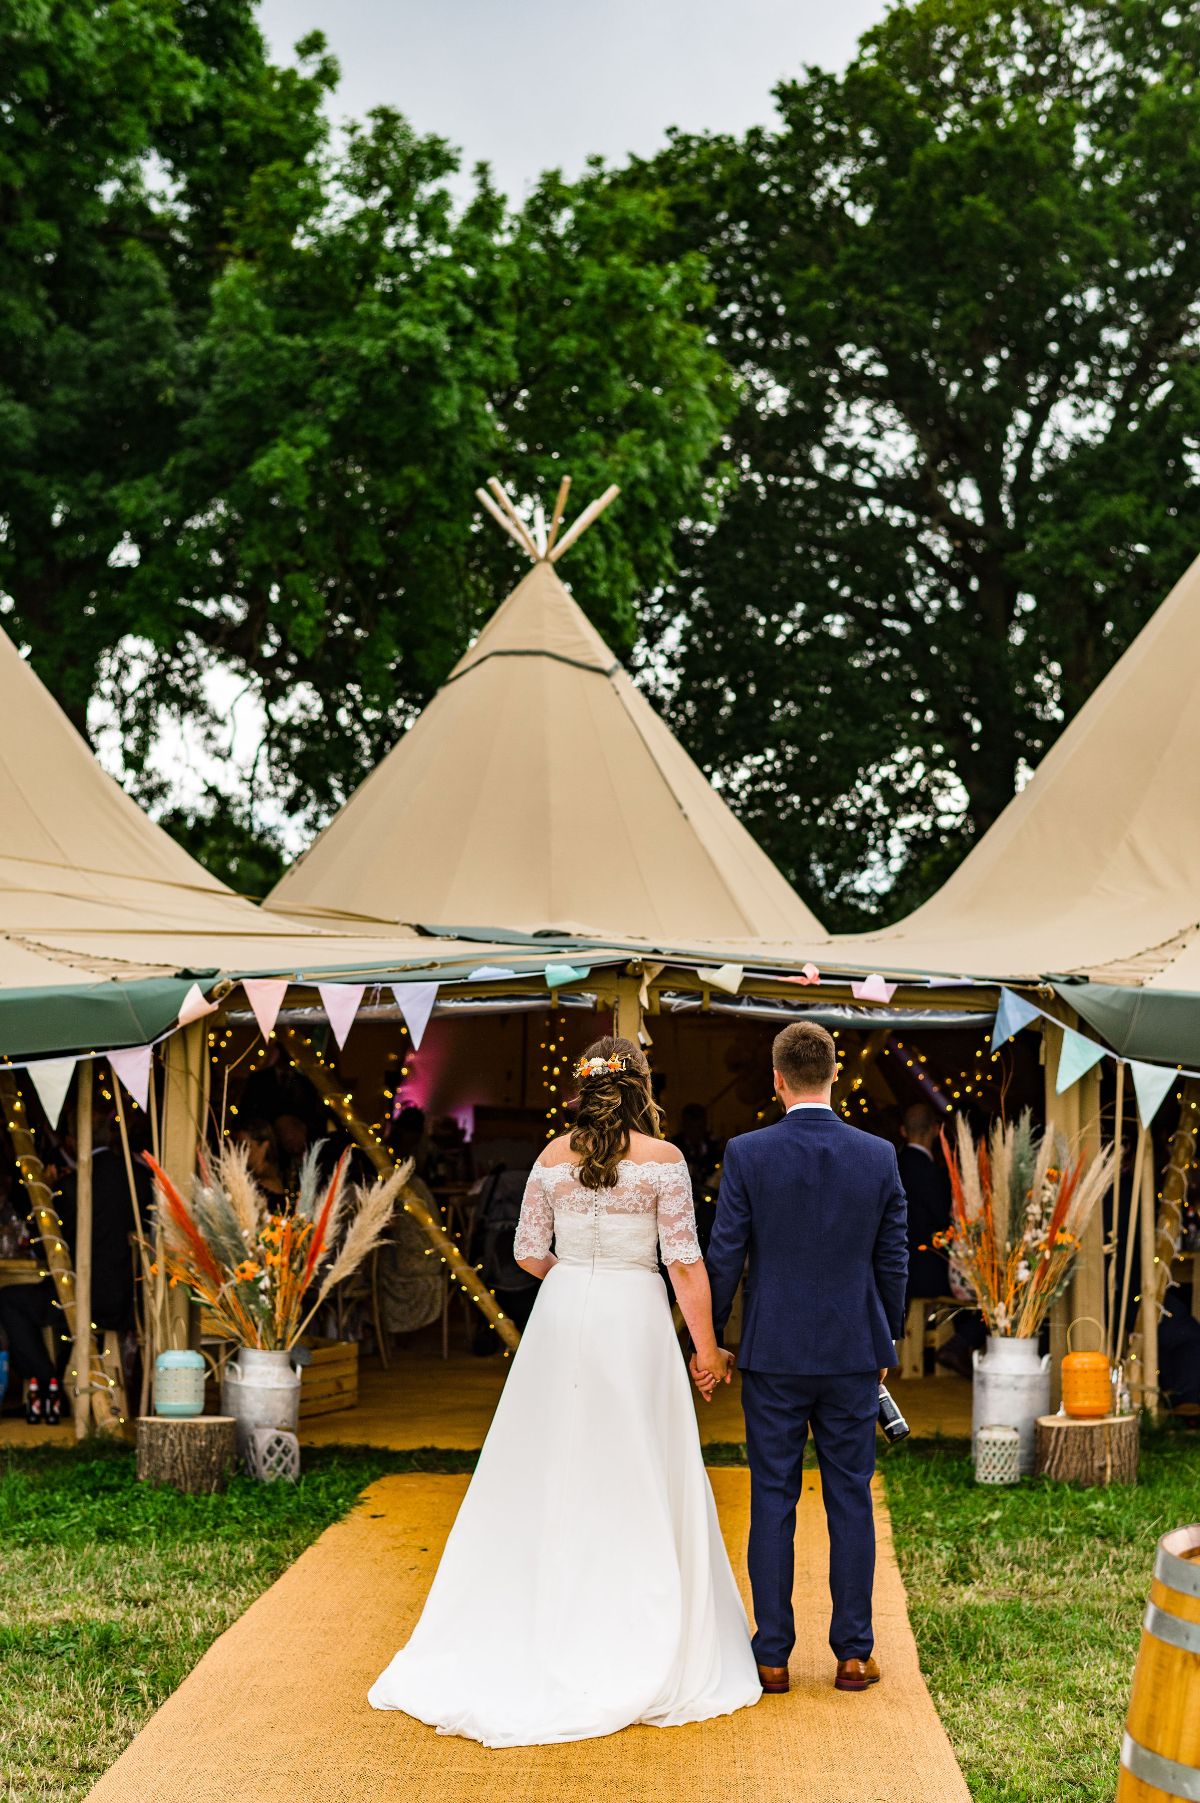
point(1087, 1391)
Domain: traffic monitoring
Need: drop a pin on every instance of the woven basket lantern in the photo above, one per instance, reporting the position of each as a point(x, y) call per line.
point(997, 1455)
point(1087, 1388)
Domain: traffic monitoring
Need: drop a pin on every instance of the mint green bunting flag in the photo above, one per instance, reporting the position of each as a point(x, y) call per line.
point(558, 974)
point(1151, 1083)
point(1077, 1056)
point(1012, 1013)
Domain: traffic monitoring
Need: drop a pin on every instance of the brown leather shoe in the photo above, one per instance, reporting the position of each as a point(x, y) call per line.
point(856, 1674)
point(774, 1679)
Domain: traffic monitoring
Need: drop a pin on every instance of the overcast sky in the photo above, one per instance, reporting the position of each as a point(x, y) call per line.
point(533, 84)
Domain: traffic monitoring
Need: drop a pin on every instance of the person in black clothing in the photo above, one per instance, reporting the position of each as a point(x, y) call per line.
point(927, 1185)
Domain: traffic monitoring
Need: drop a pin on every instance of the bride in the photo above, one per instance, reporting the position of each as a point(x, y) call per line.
point(585, 1585)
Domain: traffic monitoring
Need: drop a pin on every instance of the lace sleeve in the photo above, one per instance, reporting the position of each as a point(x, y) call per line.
point(535, 1229)
point(676, 1216)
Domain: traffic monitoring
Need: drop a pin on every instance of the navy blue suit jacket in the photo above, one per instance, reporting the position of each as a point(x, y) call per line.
point(818, 1206)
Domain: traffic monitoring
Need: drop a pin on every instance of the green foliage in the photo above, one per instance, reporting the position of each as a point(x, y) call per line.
point(1027, 1606)
point(959, 282)
point(249, 379)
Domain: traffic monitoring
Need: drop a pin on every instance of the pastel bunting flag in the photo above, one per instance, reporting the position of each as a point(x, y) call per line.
point(340, 1002)
point(873, 989)
point(1078, 1055)
point(1151, 1083)
point(265, 996)
point(485, 973)
point(812, 973)
point(415, 1002)
point(559, 974)
point(1012, 1013)
point(725, 976)
point(132, 1065)
point(51, 1077)
point(195, 1006)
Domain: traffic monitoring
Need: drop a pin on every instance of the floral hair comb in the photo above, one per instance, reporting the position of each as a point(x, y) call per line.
point(598, 1067)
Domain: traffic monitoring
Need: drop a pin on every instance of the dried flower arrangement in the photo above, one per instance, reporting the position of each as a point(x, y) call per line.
point(1020, 1205)
point(256, 1270)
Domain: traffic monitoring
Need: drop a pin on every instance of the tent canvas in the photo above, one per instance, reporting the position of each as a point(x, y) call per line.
point(539, 791)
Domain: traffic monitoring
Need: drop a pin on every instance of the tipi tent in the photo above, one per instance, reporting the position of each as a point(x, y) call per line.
point(1093, 870)
point(539, 791)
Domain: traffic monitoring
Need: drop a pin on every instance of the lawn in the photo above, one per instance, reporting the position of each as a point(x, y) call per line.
point(1026, 1604)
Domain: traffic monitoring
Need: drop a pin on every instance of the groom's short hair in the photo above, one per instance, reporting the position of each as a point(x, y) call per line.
point(805, 1056)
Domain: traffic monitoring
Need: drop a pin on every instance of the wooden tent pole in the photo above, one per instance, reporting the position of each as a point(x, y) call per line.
point(1110, 1311)
point(501, 493)
point(1131, 1228)
point(560, 507)
point(303, 1056)
point(81, 1351)
point(1148, 1350)
point(501, 519)
point(580, 526)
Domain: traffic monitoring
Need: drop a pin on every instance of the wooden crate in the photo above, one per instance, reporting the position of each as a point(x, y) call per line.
point(330, 1383)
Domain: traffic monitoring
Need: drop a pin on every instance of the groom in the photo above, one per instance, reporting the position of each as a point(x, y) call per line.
point(818, 1207)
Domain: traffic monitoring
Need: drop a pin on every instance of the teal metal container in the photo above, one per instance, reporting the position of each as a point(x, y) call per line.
point(179, 1384)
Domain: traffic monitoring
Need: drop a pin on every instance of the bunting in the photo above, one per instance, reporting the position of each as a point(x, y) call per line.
point(1151, 1083)
point(415, 1002)
point(873, 989)
point(725, 976)
point(1078, 1055)
point(1012, 1013)
point(132, 1065)
point(51, 1078)
point(265, 996)
point(341, 1002)
point(558, 975)
point(195, 1006)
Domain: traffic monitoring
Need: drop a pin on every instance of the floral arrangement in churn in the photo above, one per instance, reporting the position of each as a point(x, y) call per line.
point(265, 1275)
point(1020, 1204)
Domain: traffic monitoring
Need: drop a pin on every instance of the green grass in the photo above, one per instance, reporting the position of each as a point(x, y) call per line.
point(1026, 1603)
point(1027, 1607)
point(110, 1591)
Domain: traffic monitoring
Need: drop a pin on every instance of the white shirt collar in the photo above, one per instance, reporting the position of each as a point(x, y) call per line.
point(797, 1106)
point(914, 1147)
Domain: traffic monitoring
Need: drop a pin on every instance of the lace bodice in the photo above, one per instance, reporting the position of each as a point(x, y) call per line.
point(648, 1209)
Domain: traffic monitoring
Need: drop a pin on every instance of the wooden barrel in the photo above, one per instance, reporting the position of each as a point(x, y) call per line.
point(1160, 1756)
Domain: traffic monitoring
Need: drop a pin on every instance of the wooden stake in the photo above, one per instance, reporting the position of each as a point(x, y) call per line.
point(502, 519)
point(501, 493)
point(583, 522)
point(334, 1096)
point(81, 1351)
point(560, 505)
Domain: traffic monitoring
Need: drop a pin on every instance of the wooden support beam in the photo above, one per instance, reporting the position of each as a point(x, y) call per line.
point(81, 1350)
point(1147, 1352)
point(522, 530)
point(302, 1054)
point(501, 518)
point(185, 1110)
point(627, 1008)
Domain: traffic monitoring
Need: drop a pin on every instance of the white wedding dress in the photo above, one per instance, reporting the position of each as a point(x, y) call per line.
point(585, 1585)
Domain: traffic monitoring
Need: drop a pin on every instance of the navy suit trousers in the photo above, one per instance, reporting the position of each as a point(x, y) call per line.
point(842, 1412)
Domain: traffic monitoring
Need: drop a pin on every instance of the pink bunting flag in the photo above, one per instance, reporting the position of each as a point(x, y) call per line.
point(265, 996)
point(132, 1065)
point(340, 1002)
point(873, 989)
point(194, 1006)
point(415, 1002)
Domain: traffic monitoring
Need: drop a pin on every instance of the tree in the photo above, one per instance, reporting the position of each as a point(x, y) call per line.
point(361, 375)
point(959, 282)
point(135, 131)
point(251, 378)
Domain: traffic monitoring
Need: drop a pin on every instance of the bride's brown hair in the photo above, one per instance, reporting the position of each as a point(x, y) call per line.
point(612, 1105)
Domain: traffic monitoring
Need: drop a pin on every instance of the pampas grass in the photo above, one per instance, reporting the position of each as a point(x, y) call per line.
point(1020, 1205)
point(254, 1269)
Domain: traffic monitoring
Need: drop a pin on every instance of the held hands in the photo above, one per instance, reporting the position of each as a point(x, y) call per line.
point(711, 1371)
